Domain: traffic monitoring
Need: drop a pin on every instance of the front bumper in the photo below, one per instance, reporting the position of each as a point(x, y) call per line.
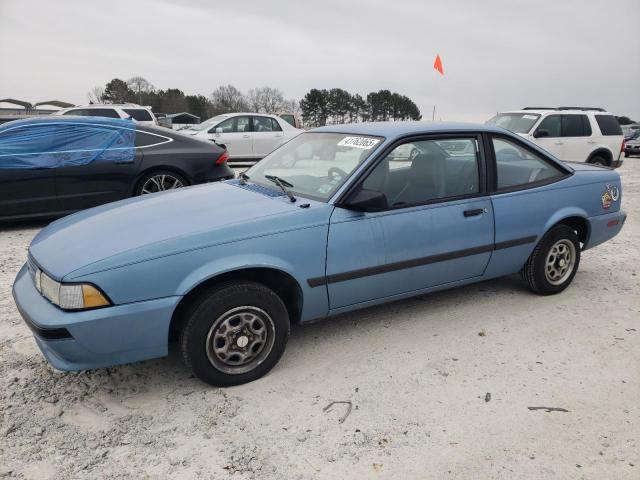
point(94, 338)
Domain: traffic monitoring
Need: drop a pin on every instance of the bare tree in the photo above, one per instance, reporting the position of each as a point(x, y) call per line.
point(272, 99)
point(228, 98)
point(291, 106)
point(95, 95)
point(140, 85)
point(254, 99)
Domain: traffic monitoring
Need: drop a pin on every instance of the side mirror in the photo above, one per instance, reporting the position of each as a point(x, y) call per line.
point(366, 201)
point(540, 133)
point(218, 131)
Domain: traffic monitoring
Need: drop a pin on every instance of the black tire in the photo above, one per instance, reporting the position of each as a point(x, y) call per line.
point(140, 187)
point(203, 326)
point(626, 155)
point(598, 160)
point(535, 271)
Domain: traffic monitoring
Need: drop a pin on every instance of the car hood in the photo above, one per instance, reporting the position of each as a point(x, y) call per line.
point(166, 223)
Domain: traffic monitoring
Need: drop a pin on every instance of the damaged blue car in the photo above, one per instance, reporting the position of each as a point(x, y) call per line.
point(337, 219)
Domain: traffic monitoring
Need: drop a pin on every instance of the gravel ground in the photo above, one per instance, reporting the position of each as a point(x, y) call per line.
point(439, 386)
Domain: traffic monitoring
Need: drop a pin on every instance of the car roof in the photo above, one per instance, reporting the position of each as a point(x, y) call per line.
point(119, 122)
point(543, 111)
point(400, 129)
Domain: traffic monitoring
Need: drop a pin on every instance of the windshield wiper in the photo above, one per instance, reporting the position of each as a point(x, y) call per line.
point(243, 177)
point(282, 184)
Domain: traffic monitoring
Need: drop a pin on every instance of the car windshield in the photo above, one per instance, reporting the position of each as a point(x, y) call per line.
point(207, 123)
point(515, 122)
point(315, 164)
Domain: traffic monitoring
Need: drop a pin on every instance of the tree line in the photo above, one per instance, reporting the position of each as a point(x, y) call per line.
point(318, 107)
point(223, 99)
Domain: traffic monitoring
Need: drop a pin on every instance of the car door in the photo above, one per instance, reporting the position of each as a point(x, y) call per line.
point(27, 173)
point(96, 164)
point(576, 135)
point(437, 229)
point(267, 135)
point(548, 135)
point(236, 135)
point(521, 207)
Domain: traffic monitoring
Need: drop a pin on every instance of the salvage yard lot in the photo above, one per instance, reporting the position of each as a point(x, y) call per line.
point(416, 373)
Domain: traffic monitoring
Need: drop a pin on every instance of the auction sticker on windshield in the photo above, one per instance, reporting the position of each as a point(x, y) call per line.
point(359, 142)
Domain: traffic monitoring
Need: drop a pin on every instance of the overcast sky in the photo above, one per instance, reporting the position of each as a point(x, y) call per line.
point(497, 54)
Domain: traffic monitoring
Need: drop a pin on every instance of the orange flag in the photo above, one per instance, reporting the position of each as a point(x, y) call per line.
point(438, 64)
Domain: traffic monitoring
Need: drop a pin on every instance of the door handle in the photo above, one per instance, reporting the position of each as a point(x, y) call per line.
point(559, 143)
point(473, 213)
point(246, 136)
point(591, 141)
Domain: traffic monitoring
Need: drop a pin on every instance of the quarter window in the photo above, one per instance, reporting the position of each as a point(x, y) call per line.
point(517, 166)
point(608, 125)
point(144, 139)
point(424, 171)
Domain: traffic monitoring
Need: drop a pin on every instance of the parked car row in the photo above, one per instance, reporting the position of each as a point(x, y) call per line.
point(576, 134)
point(56, 165)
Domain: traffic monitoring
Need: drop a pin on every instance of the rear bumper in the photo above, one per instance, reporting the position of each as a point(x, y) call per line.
point(618, 163)
point(605, 227)
point(94, 338)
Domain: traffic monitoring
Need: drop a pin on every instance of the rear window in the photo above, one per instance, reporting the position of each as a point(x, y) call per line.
point(139, 114)
point(608, 125)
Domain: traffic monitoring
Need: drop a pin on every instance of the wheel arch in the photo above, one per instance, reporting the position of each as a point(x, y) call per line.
point(577, 221)
point(281, 282)
point(601, 152)
point(158, 168)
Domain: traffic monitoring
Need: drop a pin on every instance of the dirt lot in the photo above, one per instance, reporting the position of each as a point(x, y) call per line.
point(418, 374)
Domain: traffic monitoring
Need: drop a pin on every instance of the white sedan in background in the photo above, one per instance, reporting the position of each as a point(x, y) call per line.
point(248, 137)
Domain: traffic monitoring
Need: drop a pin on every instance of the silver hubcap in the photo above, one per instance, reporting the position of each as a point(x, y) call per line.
point(240, 339)
point(560, 261)
point(160, 183)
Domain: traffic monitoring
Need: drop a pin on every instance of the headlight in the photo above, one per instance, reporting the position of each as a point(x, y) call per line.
point(76, 296)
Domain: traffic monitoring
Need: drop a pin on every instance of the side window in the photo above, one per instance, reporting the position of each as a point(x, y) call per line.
point(233, 125)
point(144, 139)
point(27, 147)
point(573, 126)
point(428, 170)
point(262, 124)
point(518, 166)
point(102, 112)
point(276, 125)
point(80, 111)
point(552, 124)
point(608, 125)
point(139, 114)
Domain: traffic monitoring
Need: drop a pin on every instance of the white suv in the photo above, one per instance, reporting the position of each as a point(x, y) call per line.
point(569, 133)
point(248, 137)
point(141, 115)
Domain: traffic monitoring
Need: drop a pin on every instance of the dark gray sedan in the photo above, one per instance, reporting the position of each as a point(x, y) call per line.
point(52, 166)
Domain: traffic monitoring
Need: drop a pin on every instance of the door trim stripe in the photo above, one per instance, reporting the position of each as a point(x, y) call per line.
point(417, 262)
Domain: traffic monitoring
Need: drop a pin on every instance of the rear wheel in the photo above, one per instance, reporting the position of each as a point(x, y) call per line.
point(160, 181)
point(554, 262)
point(234, 333)
point(598, 160)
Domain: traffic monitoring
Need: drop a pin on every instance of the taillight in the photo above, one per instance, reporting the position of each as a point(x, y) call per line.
point(222, 158)
point(622, 146)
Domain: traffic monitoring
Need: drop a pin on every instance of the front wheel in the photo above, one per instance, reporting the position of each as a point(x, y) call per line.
point(234, 333)
point(554, 262)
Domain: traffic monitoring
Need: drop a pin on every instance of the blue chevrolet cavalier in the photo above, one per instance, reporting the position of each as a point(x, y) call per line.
point(339, 218)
